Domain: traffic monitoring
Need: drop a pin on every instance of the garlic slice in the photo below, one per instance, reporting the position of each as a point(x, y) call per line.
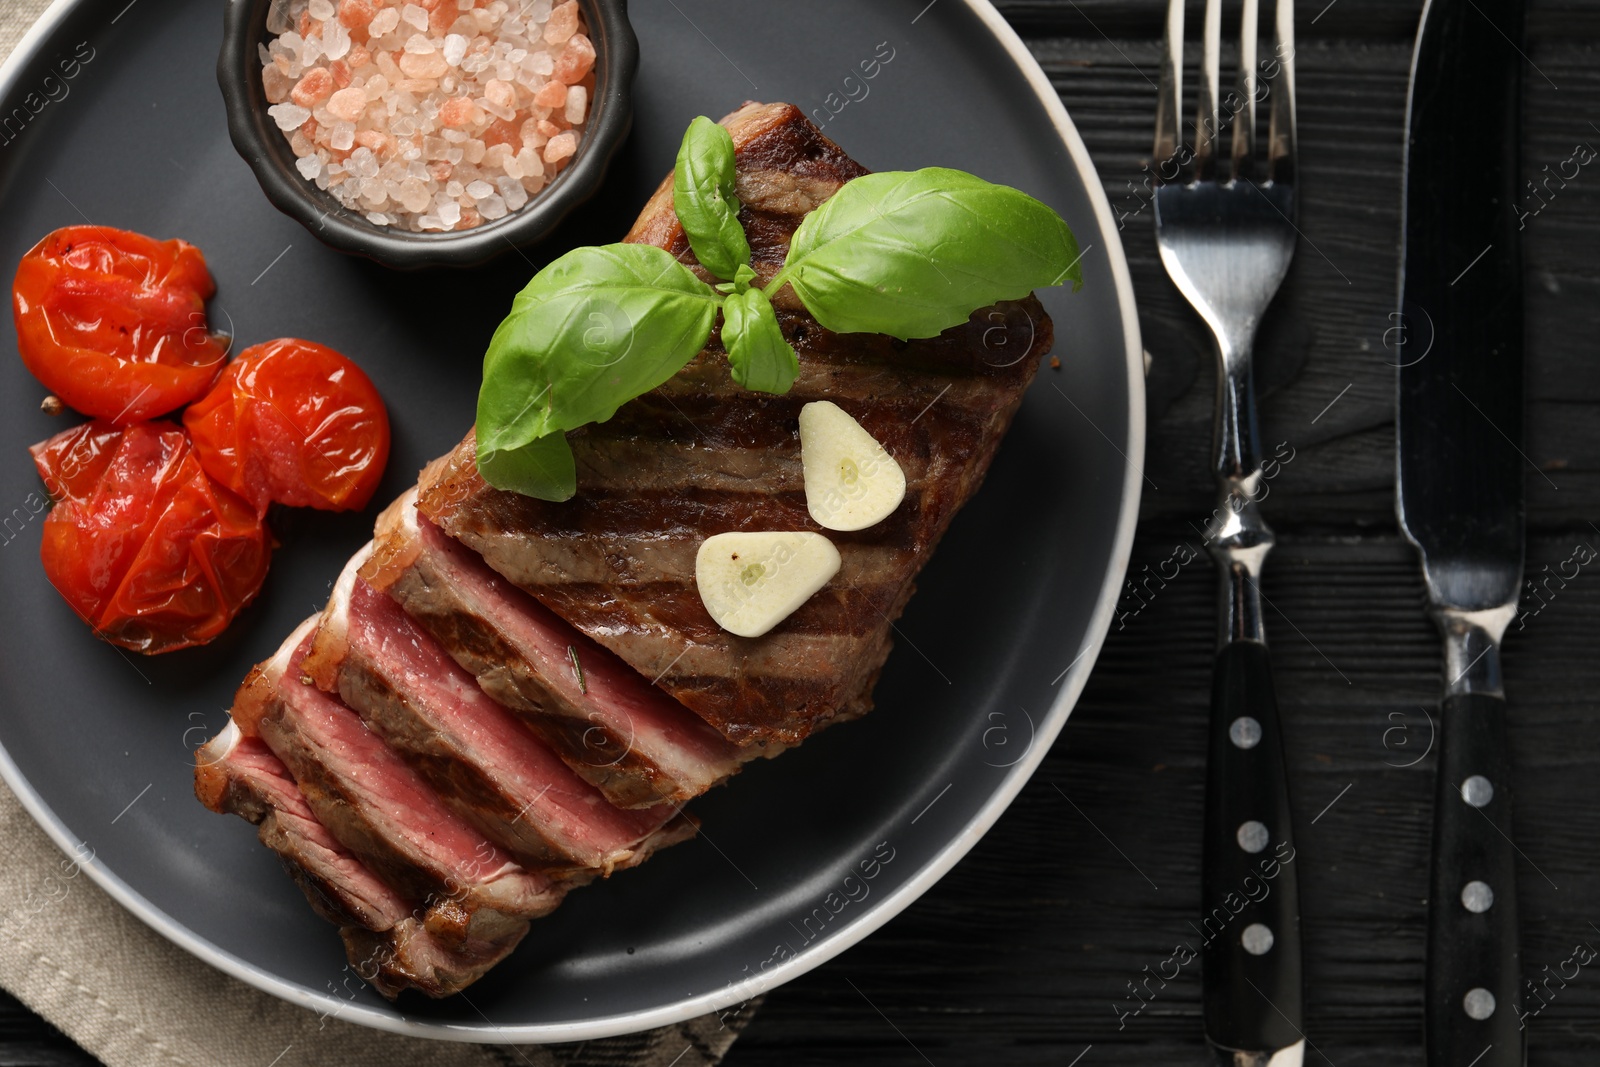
point(750, 582)
point(851, 481)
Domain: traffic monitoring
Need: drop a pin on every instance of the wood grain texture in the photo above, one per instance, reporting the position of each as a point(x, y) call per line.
point(1024, 954)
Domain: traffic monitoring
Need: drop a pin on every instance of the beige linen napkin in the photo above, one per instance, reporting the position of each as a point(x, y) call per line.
point(133, 999)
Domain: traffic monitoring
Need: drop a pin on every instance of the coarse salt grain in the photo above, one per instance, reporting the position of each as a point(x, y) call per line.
point(436, 115)
point(289, 116)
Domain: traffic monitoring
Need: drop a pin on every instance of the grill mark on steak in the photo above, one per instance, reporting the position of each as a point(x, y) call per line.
point(633, 742)
point(616, 560)
point(387, 943)
point(484, 763)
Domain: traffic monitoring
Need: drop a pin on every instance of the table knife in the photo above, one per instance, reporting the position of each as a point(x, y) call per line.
point(1459, 496)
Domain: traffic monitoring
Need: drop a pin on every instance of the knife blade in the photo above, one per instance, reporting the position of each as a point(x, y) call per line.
point(1459, 496)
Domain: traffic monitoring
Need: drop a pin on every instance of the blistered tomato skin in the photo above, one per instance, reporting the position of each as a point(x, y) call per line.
point(145, 547)
point(293, 422)
point(114, 322)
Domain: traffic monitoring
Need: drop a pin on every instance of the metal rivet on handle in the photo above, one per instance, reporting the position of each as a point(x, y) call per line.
point(1252, 836)
point(1256, 939)
point(1477, 791)
point(1477, 897)
point(1245, 732)
point(1478, 1003)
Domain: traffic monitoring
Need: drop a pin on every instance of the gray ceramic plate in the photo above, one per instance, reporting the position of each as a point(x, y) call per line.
point(802, 856)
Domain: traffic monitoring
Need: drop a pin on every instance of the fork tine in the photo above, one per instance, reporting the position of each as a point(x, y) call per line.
point(1206, 132)
point(1280, 137)
point(1169, 98)
point(1244, 120)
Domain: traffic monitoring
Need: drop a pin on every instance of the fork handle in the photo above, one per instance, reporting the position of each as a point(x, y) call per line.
point(1474, 960)
point(1250, 926)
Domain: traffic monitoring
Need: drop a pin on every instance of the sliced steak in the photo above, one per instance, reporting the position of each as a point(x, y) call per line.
point(700, 456)
point(381, 809)
point(388, 944)
point(483, 762)
point(615, 730)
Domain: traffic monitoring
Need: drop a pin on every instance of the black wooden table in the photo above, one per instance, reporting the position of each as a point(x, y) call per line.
point(1030, 951)
point(1027, 952)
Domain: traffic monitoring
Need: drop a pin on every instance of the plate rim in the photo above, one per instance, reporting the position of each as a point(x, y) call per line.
point(26, 51)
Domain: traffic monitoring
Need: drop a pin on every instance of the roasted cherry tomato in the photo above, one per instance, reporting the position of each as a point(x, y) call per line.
point(296, 423)
point(114, 323)
point(147, 549)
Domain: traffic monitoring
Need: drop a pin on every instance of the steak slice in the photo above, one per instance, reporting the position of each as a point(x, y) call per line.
point(482, 761)
point(380, 809)
point(629, 739)
point(387, 944)
point(700, 456)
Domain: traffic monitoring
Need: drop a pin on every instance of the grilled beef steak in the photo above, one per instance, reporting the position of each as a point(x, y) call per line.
point(377, 806)
point(390, 941)
point(431, 823)
point(701, 456)
point(485, 765)
point(612, 727)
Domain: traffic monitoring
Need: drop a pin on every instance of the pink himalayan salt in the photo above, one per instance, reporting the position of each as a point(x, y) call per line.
point(551, 94)
point(575, 62)
point(563, 22)
point(425, 65)
point(459, 111)
point(348, 104)
point(577, 104)
point(356, 14)
point(276, 83)
point(314, 86)
point(402, 135)
point(531, 135)
point(561, 146)
point(500, 94)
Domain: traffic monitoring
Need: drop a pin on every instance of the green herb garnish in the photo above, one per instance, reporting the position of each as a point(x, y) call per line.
point(577, 669)
point(703, 197)
point(908, 253)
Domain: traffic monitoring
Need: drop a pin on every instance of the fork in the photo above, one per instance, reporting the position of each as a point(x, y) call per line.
point(1225, 230)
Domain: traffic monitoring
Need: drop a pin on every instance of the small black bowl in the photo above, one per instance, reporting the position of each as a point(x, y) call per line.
point(267, 150)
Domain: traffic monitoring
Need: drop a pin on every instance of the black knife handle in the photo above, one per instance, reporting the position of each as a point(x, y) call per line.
point(1252, 981)
point(1473, 949)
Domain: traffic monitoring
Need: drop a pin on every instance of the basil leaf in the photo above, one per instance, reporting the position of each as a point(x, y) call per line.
point(912, 253)
point(703, 197)
point(543, 468)
point(759, 355)
point(593, 330)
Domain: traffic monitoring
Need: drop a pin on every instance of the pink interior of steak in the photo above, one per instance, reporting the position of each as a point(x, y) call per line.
point(389, 945)
point(560, 803)
point(609, 691)
point(244, 777)
point(381, 809)
point(635, 743)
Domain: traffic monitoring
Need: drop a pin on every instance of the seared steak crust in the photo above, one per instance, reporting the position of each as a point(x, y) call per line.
point(700, 456)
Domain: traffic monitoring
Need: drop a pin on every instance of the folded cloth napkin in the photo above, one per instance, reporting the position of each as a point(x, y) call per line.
point(134, 999)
